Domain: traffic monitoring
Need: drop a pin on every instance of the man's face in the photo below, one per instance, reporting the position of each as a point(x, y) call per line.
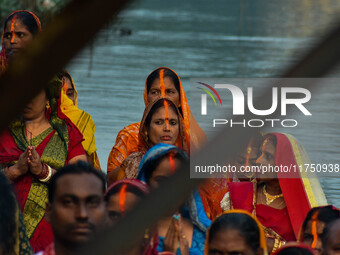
point(78, 210)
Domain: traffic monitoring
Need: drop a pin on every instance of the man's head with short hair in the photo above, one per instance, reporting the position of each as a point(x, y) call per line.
point(76, 207)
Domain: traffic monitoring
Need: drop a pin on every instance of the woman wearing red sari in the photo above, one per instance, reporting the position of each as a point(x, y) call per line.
point(32, 148)
point(280, 203)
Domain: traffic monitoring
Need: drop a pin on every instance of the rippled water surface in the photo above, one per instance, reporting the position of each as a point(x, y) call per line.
point(200, 38)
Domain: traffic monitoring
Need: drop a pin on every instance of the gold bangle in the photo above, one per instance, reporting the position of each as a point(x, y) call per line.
point(281, 243)
point(276, 245)
point(49, 175)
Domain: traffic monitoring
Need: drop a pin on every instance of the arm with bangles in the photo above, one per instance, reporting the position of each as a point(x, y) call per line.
point(30, 161)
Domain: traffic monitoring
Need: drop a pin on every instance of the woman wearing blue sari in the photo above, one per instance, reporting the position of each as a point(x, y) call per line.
point(183, 232)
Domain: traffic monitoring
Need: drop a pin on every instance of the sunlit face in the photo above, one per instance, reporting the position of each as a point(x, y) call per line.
point(170, 92)
point(267, 158)
point(308, 237)
point(333, 242)
point(163, 171)
point(36, 108)
point(163, 128)
point(78, 210)
point(16, 37)
point(229, 242)
point(70, 89)
point(114, 208)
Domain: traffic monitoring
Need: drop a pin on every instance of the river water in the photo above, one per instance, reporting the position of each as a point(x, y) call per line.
point(200, 38)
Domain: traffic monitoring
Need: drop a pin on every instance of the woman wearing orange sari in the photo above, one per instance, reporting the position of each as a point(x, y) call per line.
point(278, 200)
point(161, 83)
point(161, 123)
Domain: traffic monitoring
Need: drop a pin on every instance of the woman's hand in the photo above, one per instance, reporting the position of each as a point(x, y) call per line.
point(171, 238)
point(34, 162)
point(18, 169)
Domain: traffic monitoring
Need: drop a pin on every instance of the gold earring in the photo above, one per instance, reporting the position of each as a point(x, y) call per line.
point(48, 105)
point(146, 234)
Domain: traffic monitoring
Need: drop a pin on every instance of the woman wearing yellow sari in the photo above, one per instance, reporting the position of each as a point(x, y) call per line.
point(80, 118)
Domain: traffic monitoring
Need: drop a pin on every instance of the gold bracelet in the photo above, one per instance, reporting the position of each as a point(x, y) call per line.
point(282, 243)
point(49, 175)
point(276, 245)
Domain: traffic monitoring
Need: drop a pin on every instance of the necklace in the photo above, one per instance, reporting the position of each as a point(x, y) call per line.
point(270, 198)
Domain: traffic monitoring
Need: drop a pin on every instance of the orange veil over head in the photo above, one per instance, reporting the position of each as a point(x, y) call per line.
point(194, 133)
point(128, 139)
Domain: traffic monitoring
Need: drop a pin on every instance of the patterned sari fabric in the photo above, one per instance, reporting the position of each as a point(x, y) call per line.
point(212, 192)
point(130, 165)
point(262, 237)
point(193, 210)
point(82, 120)
point(3, 60)
point(301, 192)
point(55, 146)
point(129, 141)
